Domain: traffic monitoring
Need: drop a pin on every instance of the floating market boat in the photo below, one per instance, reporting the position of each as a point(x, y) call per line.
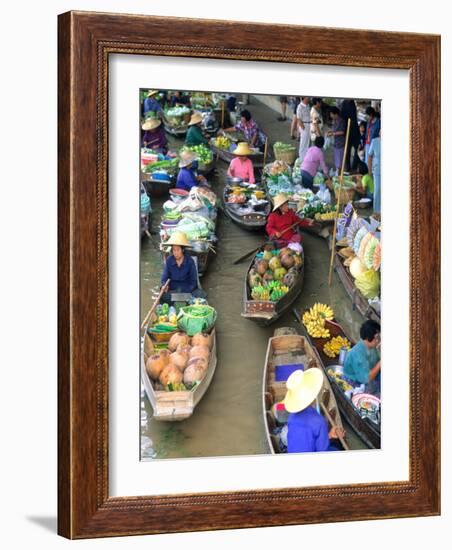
point(257, 158)
point(156, 186)
point(267, 311)
point(203, 251)
point(367, 429)
point(288, 351)
point(252, 217)
point(358, 300)
point(173, 405)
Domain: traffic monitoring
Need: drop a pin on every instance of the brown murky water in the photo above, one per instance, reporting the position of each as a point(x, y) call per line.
point(228, 420)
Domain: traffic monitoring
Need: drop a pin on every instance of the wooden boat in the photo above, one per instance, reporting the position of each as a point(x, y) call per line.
point(155, 187)
point(358, 300)
point(176, 405)
point(288, 347)
point(177, 131)
point(173, 405)
point(266, 312)
point(253, 221)
point(369, 432)
point(202, 252)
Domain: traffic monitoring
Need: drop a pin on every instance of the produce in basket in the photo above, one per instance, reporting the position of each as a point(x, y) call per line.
point(368, 283)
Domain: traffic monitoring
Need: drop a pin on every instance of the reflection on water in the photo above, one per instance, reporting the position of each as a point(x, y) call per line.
point(228, 420)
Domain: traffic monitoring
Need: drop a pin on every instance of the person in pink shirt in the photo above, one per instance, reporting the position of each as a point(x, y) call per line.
point(241, 166)
point(312, 161)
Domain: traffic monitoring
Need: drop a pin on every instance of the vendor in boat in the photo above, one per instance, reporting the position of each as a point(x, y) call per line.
point(362, 363)
point(194, 134)
point(254, 136)
point(281, 219)
point(241, 166)
point(154, 136)
point(178, 98)
point(180, 269)
point(307, 429)
point(151, 105)
point(188, 176)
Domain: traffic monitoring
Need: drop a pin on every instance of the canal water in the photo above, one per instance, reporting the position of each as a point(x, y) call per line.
point(229, 420)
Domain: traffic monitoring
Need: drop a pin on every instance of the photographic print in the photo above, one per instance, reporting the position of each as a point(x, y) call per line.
point(259, 274)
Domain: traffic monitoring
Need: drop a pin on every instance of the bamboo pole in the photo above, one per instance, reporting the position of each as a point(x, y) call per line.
point(341, 180)
point(265, 150)
point(222, 113)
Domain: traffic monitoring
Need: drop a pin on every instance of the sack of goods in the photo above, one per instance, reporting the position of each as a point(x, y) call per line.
point(196, 318)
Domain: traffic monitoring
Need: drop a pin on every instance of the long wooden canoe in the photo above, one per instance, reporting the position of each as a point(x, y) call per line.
point(358, 300)
point(174, 405)
point(265, 313)
point(369, 432)
point(157, 188)
point(253, 221)
point(288, 347)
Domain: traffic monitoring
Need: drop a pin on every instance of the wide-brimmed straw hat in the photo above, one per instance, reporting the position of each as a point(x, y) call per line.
point(195, 118)
point(152, 92)
point(243, 149)
point(302, 389)
point(178, 239)
point(279, 200)
point(151, 124)
point(186, 158)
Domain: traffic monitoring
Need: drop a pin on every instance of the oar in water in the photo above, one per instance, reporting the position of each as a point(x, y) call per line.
point(154, 305)
point(263, 244)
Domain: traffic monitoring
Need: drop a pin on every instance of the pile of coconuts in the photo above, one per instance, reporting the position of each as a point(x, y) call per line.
point(283, 267)
point(184, 362)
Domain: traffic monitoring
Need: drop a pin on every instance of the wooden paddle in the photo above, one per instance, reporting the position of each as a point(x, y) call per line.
point(333, 425)
point(263, 244)
point(154, 305)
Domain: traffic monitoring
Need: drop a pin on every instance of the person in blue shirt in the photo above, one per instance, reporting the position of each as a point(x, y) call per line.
point(151, 104)
point(180, 269)
point(362, 363)
point(307, 429)
point(188, 176)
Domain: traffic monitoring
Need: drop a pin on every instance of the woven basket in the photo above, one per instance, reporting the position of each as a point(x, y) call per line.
point(286, 156)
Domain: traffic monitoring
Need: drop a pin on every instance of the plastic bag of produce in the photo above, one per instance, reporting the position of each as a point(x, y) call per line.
point(324, 194)
point(368, 283)
point(196, 318)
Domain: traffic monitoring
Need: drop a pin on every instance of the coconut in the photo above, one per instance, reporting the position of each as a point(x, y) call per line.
point(287, 261)
point(200, 361)
point(200, 351)
point(267, 255)
point(193, 373)
point(155, 364)
point(170, 375)
point(274, 263)
point(289, 279)
point(261, 266)
point(255, 280)
point(357, 268)
point(202, 339)
point(268, 275)
point(148, 345)
point(298, 261)
point(179, 360)
point(280, 272)
point(285, 250)
point(183, 348)
point(177, 339)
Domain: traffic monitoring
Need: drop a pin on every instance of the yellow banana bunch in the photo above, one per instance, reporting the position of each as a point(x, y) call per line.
point(333, 347)
point(314, 320)
point(326, 216)
point(322, 310)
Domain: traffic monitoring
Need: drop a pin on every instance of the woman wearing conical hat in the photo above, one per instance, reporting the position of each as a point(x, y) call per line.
point(281, 219)
point(241, 166)
point(151, 104)
point(194, 134)
point(180, 269)
point(307, 429)
point(188, 176)
point(154, 136)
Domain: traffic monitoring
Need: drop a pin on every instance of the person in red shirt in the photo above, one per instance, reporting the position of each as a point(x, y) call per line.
point(282, 218)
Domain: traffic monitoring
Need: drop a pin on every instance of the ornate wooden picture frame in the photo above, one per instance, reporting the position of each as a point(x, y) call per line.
point(86, 40)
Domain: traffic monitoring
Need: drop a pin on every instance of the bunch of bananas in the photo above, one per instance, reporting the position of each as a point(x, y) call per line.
point(278, 293)
point(333, 347)
point(260, 292)
point(325, 216)
point(173, 386)
point(222, 142)
point(314, 320)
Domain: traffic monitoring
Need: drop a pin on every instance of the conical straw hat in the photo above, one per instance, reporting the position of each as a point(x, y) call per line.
point(302, 389)
point(152, 92)
point(179, 239)
point(279, 200)
point(195, 118)
point(151, 124)
point(243, 149)
point(186, 158)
